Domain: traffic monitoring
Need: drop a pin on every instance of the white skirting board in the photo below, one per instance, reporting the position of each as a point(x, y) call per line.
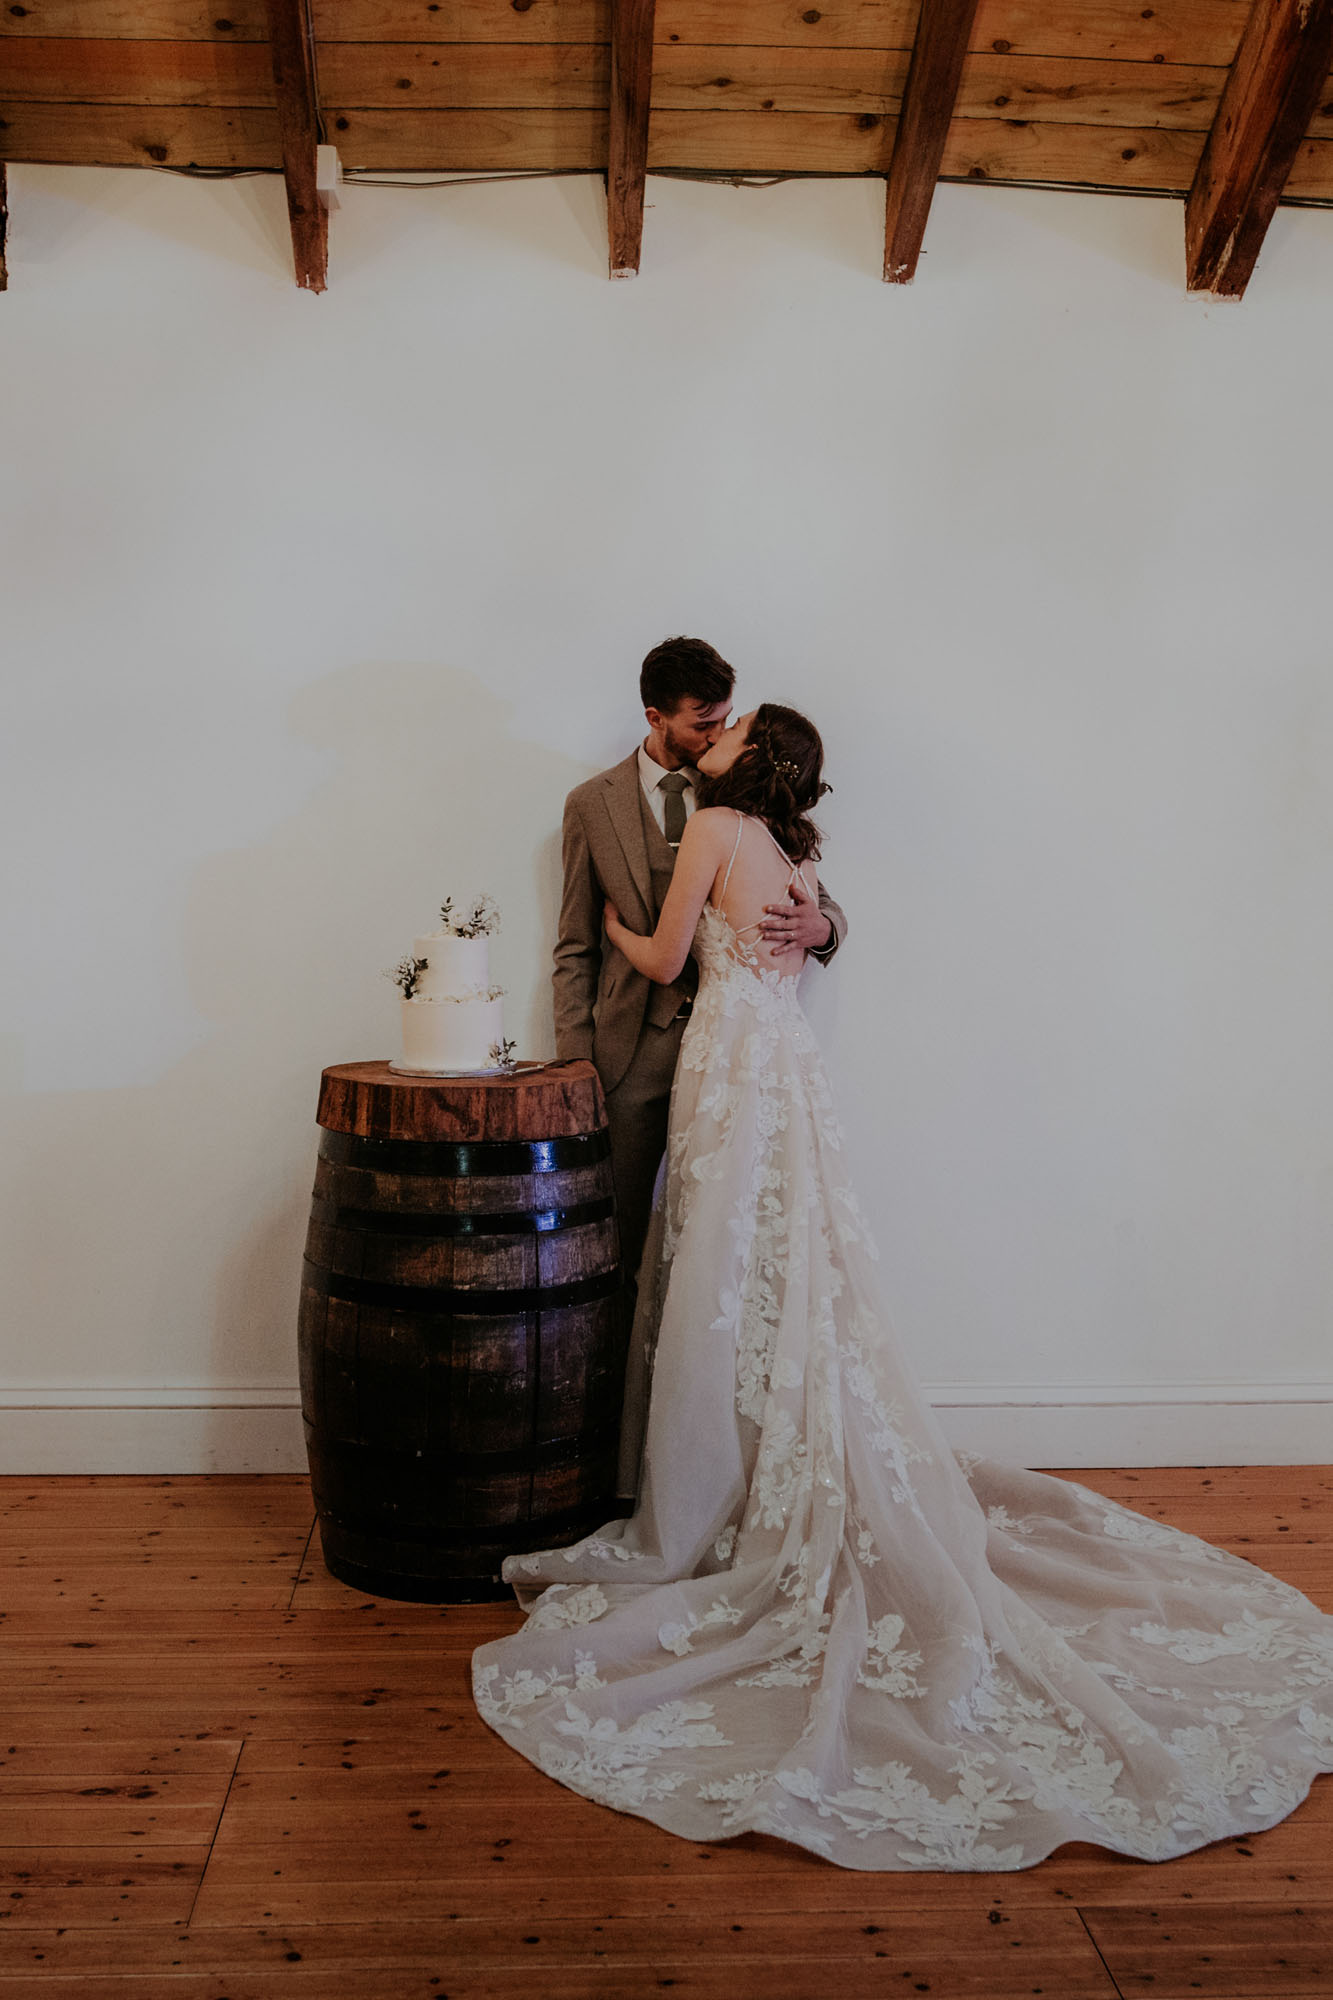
point(210, 1428)
point(198, 1428)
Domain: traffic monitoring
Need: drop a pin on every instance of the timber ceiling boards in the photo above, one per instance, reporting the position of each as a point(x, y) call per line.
point(1111, 95)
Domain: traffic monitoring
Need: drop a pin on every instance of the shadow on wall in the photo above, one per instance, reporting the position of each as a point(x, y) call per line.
point(164, 1224)
point(1143, 235)
point(243, 223)
point(63, 210)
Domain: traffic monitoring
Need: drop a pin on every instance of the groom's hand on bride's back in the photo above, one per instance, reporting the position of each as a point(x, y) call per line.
point(795, 924)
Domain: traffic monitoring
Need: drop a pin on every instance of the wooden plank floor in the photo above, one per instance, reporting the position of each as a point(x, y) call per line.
point(225, 1776)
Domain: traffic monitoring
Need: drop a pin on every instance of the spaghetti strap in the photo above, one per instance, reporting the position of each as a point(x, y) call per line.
point(773, 837)
point(740, 828)
point(793, 867)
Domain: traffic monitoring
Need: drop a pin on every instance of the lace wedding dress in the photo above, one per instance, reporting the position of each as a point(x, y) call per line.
point(822, 1623)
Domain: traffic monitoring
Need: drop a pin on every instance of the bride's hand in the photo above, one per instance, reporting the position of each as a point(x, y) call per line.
point(610, 914)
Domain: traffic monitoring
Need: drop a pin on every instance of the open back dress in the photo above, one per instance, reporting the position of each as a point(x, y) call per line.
point(822, 1623)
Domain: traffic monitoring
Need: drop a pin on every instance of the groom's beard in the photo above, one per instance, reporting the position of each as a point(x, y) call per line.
point(684, 753)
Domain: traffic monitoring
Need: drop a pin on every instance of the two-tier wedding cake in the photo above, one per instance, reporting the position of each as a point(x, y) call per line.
point(452, 1015)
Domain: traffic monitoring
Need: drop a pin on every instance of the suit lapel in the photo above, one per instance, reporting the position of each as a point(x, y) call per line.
point(621, 799)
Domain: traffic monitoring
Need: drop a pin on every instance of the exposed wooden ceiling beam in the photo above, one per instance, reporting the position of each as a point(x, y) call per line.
point(923, 126)
point(292, 47)
point(1266, 105)
point(631, 97)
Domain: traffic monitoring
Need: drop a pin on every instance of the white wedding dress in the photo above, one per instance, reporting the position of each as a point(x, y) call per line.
point(820, 1622)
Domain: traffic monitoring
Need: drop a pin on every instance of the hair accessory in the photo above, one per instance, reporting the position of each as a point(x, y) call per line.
point(786, 767)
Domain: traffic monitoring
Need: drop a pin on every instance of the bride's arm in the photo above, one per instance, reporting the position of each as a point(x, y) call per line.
point(701, 852)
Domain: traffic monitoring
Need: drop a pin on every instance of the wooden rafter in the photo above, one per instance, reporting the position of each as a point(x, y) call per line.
point(923, 127)
point(627, 163)
point(1100, 93)
point(1268, 101)
point(292, 48)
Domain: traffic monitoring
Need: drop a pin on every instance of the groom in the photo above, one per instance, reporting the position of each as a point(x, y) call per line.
point(620, 835)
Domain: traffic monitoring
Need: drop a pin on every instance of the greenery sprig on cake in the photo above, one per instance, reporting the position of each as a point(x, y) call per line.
point(481, 920)
point(406, 974)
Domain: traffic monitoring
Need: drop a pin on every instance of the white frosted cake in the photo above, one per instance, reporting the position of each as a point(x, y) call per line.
point(453, 1017)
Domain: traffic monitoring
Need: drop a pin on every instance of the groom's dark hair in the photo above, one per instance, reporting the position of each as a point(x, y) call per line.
point(684, 670)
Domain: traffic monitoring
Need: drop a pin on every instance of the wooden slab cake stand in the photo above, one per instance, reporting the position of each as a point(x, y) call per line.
point(460, 1327)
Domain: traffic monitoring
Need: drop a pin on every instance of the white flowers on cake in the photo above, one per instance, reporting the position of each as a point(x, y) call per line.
point(481, 920)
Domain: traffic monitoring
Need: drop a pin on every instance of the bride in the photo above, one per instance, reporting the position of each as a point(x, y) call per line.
point(820, 1622)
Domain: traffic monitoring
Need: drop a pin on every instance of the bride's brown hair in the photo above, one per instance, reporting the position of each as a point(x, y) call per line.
point(778, 778)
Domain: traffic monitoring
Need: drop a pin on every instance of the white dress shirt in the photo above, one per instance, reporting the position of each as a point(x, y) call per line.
point(651, 774)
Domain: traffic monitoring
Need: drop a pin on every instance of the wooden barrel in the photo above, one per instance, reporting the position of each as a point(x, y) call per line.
point(460, 1328)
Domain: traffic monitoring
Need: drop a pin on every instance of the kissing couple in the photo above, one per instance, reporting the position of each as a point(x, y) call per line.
point(819, 1622)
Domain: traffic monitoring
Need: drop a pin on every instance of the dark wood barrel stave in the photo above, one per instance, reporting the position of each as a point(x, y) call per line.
point(460, 1331)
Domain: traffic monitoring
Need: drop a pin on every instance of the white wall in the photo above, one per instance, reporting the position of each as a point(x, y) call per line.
point(315, 608)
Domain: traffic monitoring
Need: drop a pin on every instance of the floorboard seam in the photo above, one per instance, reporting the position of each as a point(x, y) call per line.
point(1115, 1983)
point(194, 1903)
point(300, 1567)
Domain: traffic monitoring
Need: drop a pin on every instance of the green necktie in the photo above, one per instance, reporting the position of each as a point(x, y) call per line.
point(672, 788)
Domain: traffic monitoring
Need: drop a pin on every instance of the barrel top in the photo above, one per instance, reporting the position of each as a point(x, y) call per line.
point(540, 1101)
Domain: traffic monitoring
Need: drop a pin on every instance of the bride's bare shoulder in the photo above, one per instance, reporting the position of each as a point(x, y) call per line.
point(711, 823)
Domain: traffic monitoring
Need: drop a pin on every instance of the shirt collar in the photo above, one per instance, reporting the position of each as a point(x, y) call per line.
point(651, 773)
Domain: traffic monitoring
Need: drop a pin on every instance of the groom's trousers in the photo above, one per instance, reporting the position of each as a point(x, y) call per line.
point(636, 1112)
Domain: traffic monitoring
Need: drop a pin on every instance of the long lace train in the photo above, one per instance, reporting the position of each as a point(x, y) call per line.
point(820, 1622)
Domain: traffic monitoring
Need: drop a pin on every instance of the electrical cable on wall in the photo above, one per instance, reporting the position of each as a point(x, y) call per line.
point(371, 177)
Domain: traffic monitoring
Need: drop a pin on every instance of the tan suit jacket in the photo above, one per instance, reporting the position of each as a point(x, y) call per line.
point(601, 1002)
